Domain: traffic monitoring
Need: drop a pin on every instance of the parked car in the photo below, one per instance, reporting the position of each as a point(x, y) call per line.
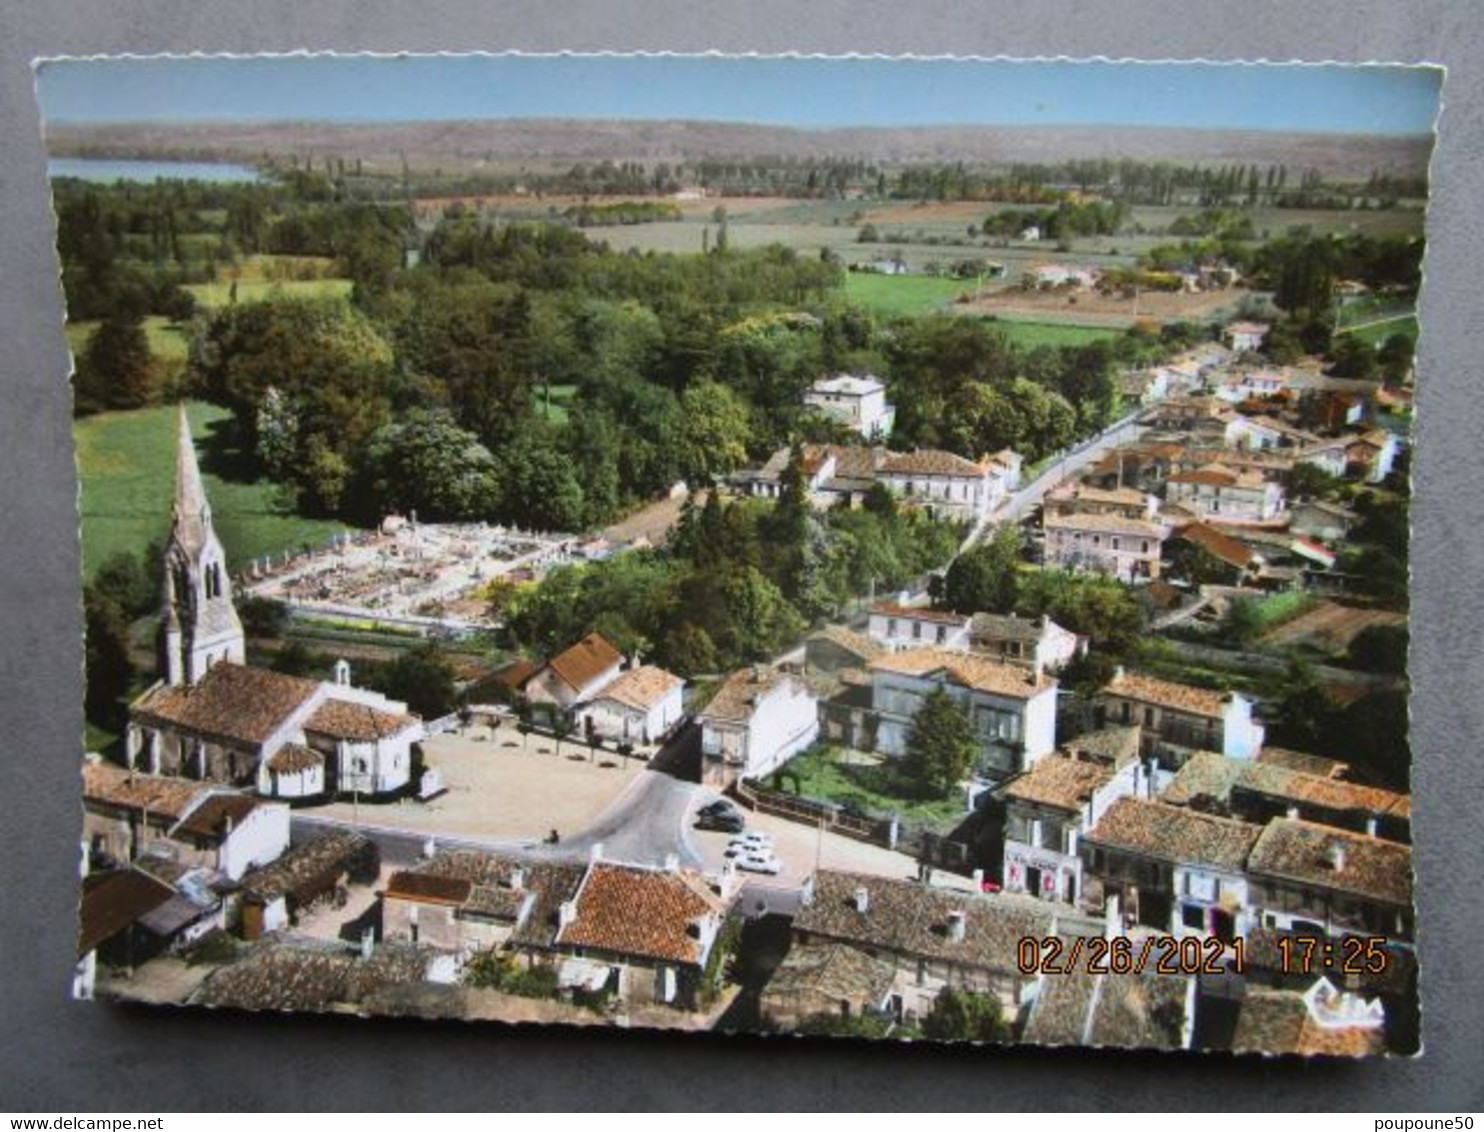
point(752, 839)
point(720, 806)
point(726, 822)
point(760, 862)
point(749, 843)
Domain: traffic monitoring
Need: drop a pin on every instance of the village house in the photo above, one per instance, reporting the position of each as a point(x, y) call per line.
point(127, 816)
point(1270, 465)
point(468, 901)
point(306, 874)
point(1050, 275)
point(1218, 492)
point(1328, 522)
point(1200, 552)
point(933, 938)
point(1127, 549)
point(834, 475)
point(896, 626)
point(1321, 1021)
point(128, 916)
point(1012, 709)
point(213, 717)
point(1371, 456)
point(1038, 643)
point(1253, 385)
point(828, 981)
point(1328, 454)
point(575, 674)
point(1049, 806)
point(641, 706)
point(856, 401)
point(1141, 1010)
point(1179, 716)
point(1171, 869)
point(1257, 791)
point(834, 650)
point(1086, 499)
point(1319, 878)
point(1245, 337)
point(643, 933)
point(1193, 415)
point(757, 720)
point(948, 486)
point(1144, 386)
point(1146, 466)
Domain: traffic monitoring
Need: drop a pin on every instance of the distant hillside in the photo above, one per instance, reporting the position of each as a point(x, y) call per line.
point(541, 143)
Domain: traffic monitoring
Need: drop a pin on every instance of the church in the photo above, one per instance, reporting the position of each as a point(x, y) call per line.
point(213, 717)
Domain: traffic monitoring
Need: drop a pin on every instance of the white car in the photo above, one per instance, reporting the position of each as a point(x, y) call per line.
point(749, 843)
point(753, 837)
point(759, 862)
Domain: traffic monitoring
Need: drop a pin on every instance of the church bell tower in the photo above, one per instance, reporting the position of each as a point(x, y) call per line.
point(199, 624)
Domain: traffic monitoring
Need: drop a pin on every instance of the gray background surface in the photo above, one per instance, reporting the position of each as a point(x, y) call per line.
point(57, 1056)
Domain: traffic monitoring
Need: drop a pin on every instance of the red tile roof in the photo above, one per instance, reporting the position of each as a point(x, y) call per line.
point(128, 790)
point(585, 661)
point(214, 818)
point(638, 912)
point(428, 888)
point(641, 687)
point(232, 702)
point(1219, 546)
point(931, 462)
point(967, 669)
point(1303, 851)
point(112, 901)
point(342, 719)
point(920, 613)
point(1169, 833)
point(1166, 693)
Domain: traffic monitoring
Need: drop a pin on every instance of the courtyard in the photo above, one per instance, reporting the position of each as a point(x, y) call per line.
point(501, 785)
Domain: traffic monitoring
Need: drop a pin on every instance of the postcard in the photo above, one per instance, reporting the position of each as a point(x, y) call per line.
point(906, 549)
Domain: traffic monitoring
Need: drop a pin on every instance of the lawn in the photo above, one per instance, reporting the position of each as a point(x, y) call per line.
point(1031, 334)
point(555, 401)
point(126, 462)
point(901, 296)
point(167, 339)
point(1376, 333)
point(219, 294)
point(823, 776)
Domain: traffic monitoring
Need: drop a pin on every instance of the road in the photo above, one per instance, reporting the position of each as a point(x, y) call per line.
point(1073, 460)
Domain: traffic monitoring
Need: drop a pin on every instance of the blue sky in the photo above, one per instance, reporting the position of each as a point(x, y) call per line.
point(776, 91)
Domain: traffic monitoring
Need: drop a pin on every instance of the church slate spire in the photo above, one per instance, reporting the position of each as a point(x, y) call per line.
point(199, 625)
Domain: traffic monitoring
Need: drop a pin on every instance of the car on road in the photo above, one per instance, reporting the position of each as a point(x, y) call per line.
point(725, 822)
point(759, 862)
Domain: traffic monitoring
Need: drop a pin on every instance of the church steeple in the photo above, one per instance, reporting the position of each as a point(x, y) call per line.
point(199, 624)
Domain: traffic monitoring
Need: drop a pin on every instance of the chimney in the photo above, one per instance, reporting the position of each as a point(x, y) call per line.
point(979, 879)
point(518, 878)
point(342, 673)
point(1370, 826)
point(597, 852)
point(1337, 857)
point(227, 826)
point(368, 942)
point(1112, 918)
point(566, 914)
point(1293, 813)
point(862, 899)
point(430, 848)
point(1118, 672)
point(956, 924)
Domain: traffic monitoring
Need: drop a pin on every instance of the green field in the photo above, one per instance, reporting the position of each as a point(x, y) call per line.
point(1030, 334)
point(219, 294)
point(902, 296)
point(167, 340)
point(1377, 332)
point(126, 462)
